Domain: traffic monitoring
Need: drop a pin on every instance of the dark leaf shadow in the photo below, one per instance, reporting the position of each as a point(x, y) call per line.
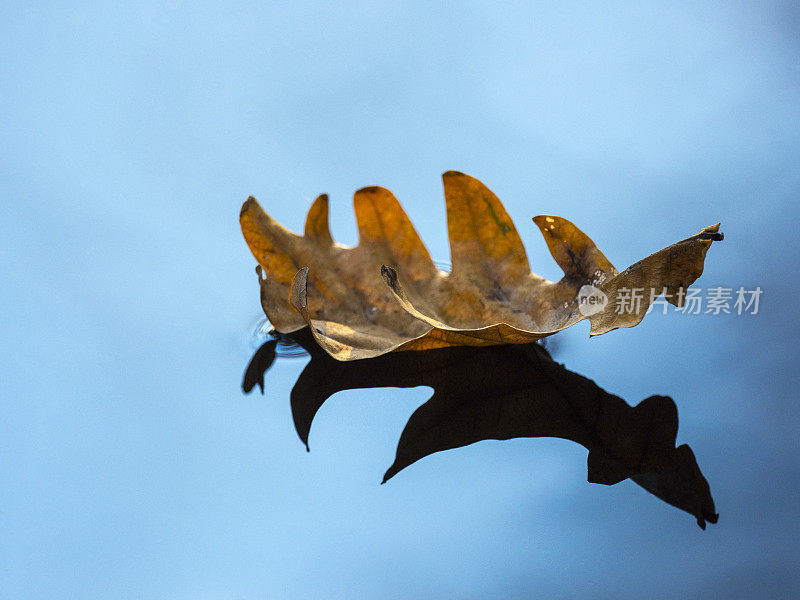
point(504, 392)
point(260, 363)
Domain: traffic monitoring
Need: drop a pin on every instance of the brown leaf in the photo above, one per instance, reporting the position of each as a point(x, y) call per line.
point(513, 391)
point(490, 297)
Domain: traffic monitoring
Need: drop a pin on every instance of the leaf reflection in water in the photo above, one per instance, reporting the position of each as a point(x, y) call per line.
point(504, 392)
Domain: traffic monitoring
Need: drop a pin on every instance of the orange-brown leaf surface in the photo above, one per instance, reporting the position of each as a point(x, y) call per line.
point(386, 294)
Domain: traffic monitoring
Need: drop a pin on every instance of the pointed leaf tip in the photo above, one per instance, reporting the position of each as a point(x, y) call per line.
point(249, 204)
point(317, 227)
point(573, 250)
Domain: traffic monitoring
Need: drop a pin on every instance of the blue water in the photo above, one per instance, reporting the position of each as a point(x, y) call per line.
point(131, 464)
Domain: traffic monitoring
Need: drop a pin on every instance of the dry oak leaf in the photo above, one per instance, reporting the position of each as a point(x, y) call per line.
point(490, 297)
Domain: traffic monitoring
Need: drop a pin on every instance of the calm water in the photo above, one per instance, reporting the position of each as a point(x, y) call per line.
point(131, 463)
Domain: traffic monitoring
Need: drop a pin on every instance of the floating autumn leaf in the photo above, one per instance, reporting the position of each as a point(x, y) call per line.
point(504, 392)
point(490, 297)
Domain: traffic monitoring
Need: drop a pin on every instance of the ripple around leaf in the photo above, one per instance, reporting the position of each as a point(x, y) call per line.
point(286, 346)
